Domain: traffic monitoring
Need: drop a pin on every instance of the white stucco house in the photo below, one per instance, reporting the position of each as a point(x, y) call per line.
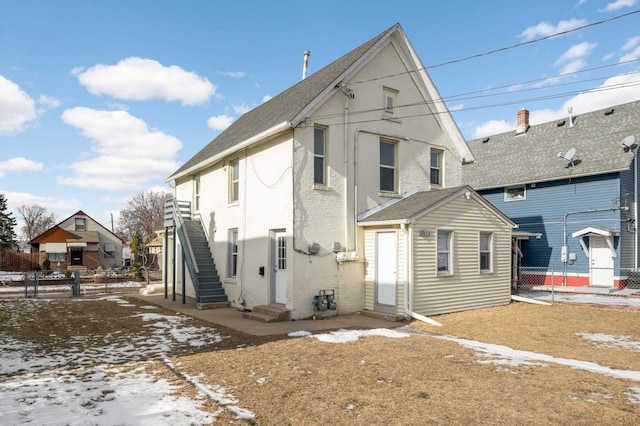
point(268, 212)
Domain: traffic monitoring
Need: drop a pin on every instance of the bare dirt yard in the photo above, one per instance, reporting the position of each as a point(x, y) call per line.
point(516, 364)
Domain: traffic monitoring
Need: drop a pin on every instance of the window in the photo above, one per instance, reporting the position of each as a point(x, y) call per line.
point(57, 257)
point(81, 224)
point(445, 252)
point(390, 100)
point(196, 192)
point(319, 148)
point(233, 253)
point(515, 193)
point(387, 166)
point(436, 167)
point(234, 181)
point(486, 252)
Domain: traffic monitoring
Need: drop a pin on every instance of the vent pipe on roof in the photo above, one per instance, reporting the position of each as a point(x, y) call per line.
point(305, 64)
point(523, 122)
point(570, 110)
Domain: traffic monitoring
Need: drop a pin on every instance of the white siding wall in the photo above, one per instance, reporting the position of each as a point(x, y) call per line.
point(264, 204)
point(466, 288)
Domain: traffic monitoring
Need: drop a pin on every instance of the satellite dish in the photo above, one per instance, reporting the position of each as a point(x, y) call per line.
point(629, 143)
point(569, 155)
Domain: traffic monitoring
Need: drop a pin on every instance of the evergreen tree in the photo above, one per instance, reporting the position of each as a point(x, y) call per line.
point(8, 241)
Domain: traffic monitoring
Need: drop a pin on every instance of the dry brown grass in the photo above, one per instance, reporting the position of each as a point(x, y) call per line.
point(420, 380)
point(425, 380)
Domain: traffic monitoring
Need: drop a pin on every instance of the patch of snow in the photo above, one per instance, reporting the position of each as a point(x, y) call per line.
point(345, 336)
point(616, 342)
point(300, 333)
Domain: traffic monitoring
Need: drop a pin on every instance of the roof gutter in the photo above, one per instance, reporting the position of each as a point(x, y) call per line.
point(272, 131)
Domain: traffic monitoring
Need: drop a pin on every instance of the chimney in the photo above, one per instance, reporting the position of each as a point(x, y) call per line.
point(305, 64)
point(523, 122)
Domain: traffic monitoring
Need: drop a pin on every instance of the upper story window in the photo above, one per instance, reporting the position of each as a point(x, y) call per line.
point(436, 167)
point(390, 101)
point(196, 193)
point(387, 166)
point(319, 155)
point(515, 193)
point(81, 224)
point(486, 252)
point(234, 181)
point(445, 252)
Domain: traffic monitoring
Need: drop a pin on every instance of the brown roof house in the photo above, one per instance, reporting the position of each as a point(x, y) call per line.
point(80, 243)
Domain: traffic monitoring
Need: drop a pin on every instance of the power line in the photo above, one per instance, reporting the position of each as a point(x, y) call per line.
point(502, 49)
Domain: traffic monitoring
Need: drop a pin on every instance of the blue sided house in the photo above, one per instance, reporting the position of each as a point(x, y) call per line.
point(570, 186)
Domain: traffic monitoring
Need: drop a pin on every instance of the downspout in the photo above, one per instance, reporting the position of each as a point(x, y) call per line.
point(346, 176)
point(408, 276)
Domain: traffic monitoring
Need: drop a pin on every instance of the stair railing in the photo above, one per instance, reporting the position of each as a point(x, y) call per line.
point(177, 212)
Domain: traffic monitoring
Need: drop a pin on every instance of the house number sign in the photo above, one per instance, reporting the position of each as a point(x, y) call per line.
point(424, 232)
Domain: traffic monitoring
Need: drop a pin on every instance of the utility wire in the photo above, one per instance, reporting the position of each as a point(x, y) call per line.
point(502, 49)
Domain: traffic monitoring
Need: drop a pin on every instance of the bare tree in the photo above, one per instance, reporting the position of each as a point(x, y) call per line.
point(143, 216)
point(36, 220)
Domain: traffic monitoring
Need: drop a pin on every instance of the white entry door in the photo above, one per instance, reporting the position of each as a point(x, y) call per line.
point(386, 265)
point(601, 266)
point(279, 259)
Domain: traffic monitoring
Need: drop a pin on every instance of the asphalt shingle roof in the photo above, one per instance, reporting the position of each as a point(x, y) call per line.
point(509, 159)
point(283, 107)
point(412, 205)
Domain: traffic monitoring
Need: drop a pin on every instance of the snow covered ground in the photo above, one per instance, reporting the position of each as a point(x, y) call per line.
point(130, 381)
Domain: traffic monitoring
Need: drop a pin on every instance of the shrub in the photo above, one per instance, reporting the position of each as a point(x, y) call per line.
point(46, 265)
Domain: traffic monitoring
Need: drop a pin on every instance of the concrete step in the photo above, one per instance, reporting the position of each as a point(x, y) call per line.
point(268, 313)
point(383, 316)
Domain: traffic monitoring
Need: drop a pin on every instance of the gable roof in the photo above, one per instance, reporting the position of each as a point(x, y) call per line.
point(509, 159)
point(56, 232)
point(286, 110)
point(416, 205)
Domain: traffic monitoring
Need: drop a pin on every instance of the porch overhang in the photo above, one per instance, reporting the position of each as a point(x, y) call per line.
point(589, 231)
point(524, 235)
point(77, 244)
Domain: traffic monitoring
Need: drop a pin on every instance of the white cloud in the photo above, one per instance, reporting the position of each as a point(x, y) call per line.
point(576, 51)
point(129, 154)
point(142, 79)
point(631, 56)
point(18, 108)
point(493, 127)
point(220, 122)
point(614, 91)
point(265, 98)
point(631, 43)
point(544, 29)
point(234, 74)
point(17, 199)
point(617, 5)
point(572, 67)
point(19, 164)
point(241, 109)
point(48, 101)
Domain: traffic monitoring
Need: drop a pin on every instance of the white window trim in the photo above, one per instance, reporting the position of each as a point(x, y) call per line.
point(490, 251)
point(506, 193)
point(440, 167)
point(450, 271)
point(196, 193)
point(325, 170)
point(394, 168)
point(232, 253)
point(231, 199)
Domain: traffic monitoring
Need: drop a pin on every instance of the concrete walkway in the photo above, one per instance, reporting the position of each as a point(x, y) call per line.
point(232, 318)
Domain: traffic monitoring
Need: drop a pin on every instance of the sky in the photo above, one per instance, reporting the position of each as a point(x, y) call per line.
point(113, 384)
point(103, 100)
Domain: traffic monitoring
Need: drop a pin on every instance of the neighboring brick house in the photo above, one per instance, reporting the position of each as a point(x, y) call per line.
point(572, 184)
point(275, 199)
point(80, 243)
